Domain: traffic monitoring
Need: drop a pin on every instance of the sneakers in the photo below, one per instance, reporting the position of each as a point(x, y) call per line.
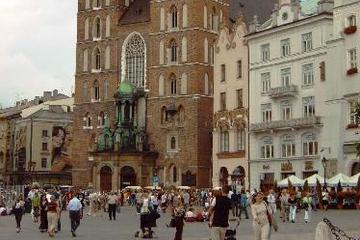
point(73, 233)
point(17, 230)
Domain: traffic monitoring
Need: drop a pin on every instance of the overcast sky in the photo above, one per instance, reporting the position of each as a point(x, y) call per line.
point(37, 48)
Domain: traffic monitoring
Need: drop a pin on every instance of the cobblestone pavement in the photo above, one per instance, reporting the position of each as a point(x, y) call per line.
point(100, 228)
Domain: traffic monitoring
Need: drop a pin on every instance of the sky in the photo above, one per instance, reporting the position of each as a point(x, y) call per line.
point(37, 48)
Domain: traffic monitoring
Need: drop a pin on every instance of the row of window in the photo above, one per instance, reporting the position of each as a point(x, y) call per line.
point(288, 146)
point(95, 94)
point(238, 69)
point(173, 18)
point(308, 104)
point(240, 140)
point(286, 77)
point(239, 99)
point(96, 59)
point(173, 52)
point(96, 28)
point(285, 46)
point(96, 4)
point(88, 123)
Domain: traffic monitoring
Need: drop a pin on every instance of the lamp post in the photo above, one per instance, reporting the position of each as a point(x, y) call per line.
point(324, 162)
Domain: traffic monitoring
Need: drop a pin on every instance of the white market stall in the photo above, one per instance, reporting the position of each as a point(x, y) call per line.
point(344, 180)
point(354, 179)
point(295, 181)
point(312, 180)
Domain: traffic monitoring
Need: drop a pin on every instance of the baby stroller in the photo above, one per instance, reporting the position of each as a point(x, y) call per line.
point(231, 232)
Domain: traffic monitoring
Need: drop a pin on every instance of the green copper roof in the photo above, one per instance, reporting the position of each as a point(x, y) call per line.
point(309, 6)
point(126, 88)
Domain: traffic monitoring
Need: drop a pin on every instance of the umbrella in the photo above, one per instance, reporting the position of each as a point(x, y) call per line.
point(312, 180)
point(295, 181)
point(340, 177)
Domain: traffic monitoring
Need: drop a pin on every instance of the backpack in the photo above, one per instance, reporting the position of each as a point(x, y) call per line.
point(35, 200)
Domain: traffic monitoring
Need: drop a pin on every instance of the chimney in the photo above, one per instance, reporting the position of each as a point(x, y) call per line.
point(18, 103)
point(55, 93)
point(274, 15)
point(47, 95)
point(254, 24)
point(325, 6)
point(296, 9)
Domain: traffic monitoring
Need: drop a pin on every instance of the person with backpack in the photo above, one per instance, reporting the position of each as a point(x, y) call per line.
point(35, 202)
point(18, 211)
point(244, 203)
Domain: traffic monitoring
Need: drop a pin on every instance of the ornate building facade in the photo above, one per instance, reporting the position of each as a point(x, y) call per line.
point(144, 92)
point(287, 79)
point(230, 165)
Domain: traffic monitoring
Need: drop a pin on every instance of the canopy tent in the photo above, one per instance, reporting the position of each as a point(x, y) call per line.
point(344, 180)
point(295, 181)
point(354, 179)
point(183, 187)
point(312, 180)
point(152, 188)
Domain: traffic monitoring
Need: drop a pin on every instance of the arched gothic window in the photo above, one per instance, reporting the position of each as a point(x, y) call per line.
point(181, 114)
point(97, 28)
point(102, 119)
point(97, 59)
point(85, 91)
point(87, 120)
point(173, 143)
point(173, 47)
point(174, 17)
point(135, 61)
point(164, 116)
point(173, 85)
point(106, 89)
point(96, 91)
point(224, 140)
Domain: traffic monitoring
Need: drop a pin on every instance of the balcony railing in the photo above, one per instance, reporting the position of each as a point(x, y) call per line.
point(284, 91)
point(296, 123)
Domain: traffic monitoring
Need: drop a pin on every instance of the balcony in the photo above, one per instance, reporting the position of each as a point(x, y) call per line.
point(296, 123)
point(284, 91)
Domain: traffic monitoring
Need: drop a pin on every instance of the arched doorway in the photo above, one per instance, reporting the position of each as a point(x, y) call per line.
point(105, 179)
point(224, 175)
point(127, 177)
point(238, 178)
point(355, 169)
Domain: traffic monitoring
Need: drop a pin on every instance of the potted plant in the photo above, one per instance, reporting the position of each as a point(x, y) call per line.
point(352, 71)
point(352, 125)
point(350, 30)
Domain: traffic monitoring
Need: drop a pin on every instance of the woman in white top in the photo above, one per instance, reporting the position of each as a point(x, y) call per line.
point(260, 211)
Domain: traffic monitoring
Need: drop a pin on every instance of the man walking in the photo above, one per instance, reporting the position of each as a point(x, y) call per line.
point(244, 203)
point(74, 207)
point(219, 214)
point(112, 206)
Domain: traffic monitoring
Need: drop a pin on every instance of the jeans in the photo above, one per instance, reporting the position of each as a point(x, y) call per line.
point(235, 209)
point(112, 211)
point(307, 216)
point(75, 220)
point(292, 213)
point(179, 230)
point(218, 233)
point(243, 209)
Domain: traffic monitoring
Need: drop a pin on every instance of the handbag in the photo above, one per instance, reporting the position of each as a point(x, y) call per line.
point(271, 219)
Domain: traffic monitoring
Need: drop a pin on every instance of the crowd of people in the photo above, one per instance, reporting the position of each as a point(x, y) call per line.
point(214, 206)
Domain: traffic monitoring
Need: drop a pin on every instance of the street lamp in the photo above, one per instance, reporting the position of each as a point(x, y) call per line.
point(324, 162)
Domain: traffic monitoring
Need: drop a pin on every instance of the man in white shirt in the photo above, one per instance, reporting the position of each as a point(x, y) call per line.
point(74, 208)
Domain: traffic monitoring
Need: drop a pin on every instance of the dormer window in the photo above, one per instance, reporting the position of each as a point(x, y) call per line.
point(351, 21)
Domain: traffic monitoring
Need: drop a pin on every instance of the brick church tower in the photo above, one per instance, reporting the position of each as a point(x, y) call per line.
point(143, 92)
